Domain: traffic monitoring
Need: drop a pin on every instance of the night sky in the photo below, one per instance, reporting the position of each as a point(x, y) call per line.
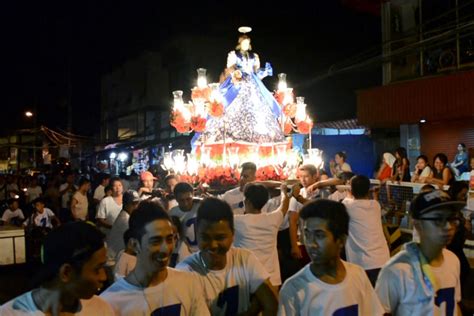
point(57, 51)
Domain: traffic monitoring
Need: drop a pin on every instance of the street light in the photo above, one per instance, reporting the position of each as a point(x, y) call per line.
point(29, 114)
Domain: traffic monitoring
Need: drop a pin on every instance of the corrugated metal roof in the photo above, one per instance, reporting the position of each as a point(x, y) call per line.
point(434, 99)
point(341, 124)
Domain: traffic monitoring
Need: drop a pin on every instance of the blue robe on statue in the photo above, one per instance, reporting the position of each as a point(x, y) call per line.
point(251, 112)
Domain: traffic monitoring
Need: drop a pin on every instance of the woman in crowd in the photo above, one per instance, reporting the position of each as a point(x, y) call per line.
point(422, 170)
point(401, 168)
point(339, 165)
point(386, 171)
point(441, 173)
point(460, 163)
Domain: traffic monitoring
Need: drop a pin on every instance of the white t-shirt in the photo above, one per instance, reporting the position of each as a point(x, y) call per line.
point(99, 192)
point(227, 291)
point(108, 210)
point(305, 294)
point(41, 220)
point(366, 245)
point(294, 206)
point(235, 198)
point(8, 215)
point(125, 264)
point(114, 239)
point(403, 291)
point(81, 209)
point(179, 294)
point(188, 225)
point(426, 172)
point(66, 197)
point(24, 305)
point(33, 193)
point(258, 233)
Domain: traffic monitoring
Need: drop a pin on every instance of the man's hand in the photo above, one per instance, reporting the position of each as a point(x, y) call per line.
point(296, 190)
point(296, 252)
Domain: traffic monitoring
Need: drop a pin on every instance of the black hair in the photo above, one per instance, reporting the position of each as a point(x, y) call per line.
point(402, 152)
point(182, 187)
point(424, 158)
point(345, 176)
point(257, 194)
point(169, 177)
point(126, 237)
point(360, 186)
point(456, 187)
point(104, 176)
point(463, 146)
point(39, 200)
point(74, 243)
point(249, 166)
point(334, 213)
point(146, 212)
point(108, 188)
point(442, 157)
point(427, 188)
point(215, 210)
point(83, 181)
point(11, 200)
point(342, 155)
point(114, 179)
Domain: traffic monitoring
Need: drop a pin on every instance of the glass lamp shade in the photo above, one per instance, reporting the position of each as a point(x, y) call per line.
point(282, 85)
point(201, 79)
point(178, 99)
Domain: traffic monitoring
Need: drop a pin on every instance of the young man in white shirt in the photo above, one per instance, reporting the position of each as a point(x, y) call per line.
point(235, 197)
point(42, 217)
point(79, 201)
point(99, 192)
point(366, 245)
point(257, 231)
point(115, 241)
point(230, 276)
point(66, 190)
point(186, 212)
point(290, 258)
point(153, 288)
point(110, 207)
point(73, 271)
point(327, 285)
point(423, 279)
point(13, 215)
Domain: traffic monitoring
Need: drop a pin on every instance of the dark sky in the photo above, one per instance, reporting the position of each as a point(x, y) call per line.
point(56, 49)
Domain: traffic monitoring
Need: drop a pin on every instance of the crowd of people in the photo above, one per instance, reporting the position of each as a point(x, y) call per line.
point(153, 247)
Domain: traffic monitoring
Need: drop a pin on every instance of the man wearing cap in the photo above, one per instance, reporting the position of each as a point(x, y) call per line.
point(73, 270)
point(423, 279)
point(114, 239)
point(148, 182)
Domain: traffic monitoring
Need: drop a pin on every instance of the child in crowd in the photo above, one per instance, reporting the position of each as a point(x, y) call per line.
point(42, 216)
point(126, 258)
point(13, 215)
point(327, 285)
point(423, 279)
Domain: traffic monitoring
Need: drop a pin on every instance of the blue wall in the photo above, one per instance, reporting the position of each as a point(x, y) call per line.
point(358, 148)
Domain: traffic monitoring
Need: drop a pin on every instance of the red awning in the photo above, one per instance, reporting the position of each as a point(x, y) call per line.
point(434, 99)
